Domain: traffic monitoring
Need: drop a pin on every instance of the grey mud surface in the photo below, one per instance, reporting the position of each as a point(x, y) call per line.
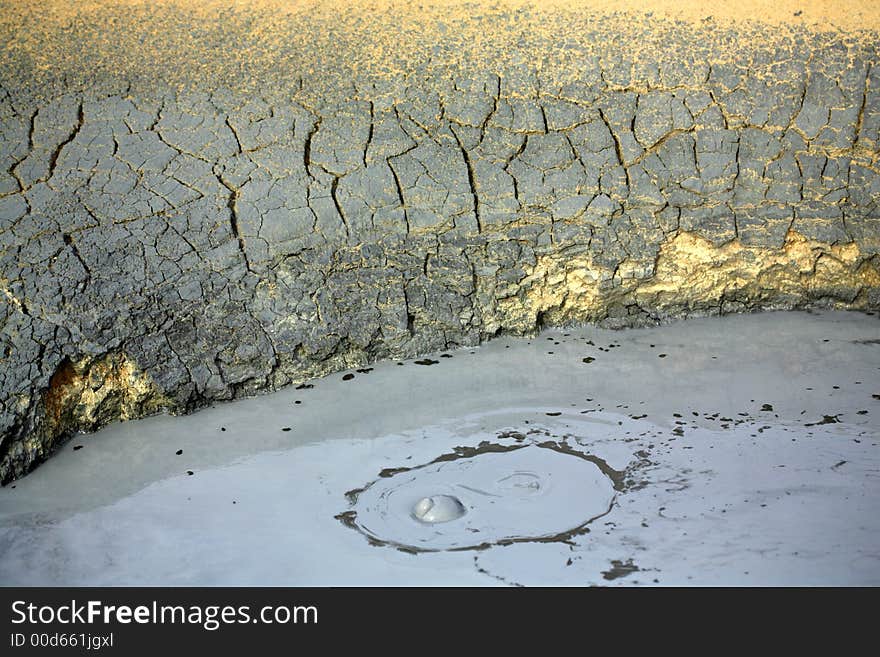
point(174, 236)
point(735, 450)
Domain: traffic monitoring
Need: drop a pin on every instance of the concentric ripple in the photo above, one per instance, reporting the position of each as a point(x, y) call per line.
point(491, 495)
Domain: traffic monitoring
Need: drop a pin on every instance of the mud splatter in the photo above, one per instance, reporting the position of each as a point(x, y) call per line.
point(620, 569)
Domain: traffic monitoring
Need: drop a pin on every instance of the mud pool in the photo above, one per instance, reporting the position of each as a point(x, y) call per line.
point(742, 450)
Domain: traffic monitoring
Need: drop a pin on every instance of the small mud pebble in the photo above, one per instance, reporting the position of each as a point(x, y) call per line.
point(348, 377)
point(76, 447)
point(427, 361)
point(179, 452)
point(826, 419)
point(305, 386)
point(285, 428)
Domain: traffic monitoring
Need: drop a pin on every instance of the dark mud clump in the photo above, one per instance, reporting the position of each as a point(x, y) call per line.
point(620, 569)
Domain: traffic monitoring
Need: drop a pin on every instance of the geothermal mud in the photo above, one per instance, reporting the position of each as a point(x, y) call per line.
point(579, 457)
point(198, 205)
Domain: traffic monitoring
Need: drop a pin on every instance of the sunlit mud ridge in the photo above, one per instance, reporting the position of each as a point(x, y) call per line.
point(182, 222)
point(692, 276)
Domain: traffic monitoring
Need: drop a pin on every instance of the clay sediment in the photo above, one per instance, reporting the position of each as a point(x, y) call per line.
point(169, 239)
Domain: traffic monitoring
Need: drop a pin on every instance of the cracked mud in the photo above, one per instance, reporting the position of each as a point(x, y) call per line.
point(178, 233)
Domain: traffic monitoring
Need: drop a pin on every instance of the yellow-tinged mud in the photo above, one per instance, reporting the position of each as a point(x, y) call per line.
point(89, 393)
point(690, 275)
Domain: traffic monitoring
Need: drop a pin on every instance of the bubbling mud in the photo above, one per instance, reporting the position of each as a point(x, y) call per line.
point(439, 508)
point(495, 494)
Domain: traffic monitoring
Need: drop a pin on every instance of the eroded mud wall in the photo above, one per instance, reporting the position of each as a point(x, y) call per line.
point(199, 205)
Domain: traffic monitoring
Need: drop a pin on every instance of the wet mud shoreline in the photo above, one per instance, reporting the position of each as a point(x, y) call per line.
point(747, 454)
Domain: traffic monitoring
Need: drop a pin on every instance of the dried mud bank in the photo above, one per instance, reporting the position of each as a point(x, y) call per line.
point(178, 228)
